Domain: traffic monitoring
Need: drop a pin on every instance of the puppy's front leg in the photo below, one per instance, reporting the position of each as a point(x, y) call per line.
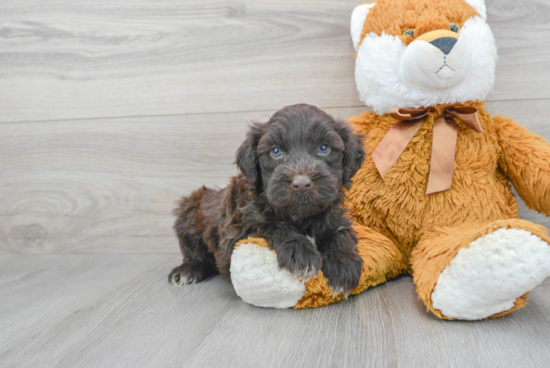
point(341, 262)
point(295, 252)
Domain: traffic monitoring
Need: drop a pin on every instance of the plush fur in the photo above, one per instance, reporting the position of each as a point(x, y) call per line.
point(468, 289)
point(470, 255)
point(294, 169)
point(385, 66)
point(276, 288)
point(357, 22)
point(479, 6)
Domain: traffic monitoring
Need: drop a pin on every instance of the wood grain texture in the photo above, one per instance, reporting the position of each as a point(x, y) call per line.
point(520, 339)
point(109, 185)
point(120, 311)
point(117, 58)
point(102, 311)
point(522, 32)
point(356, 333)
point(61, 59)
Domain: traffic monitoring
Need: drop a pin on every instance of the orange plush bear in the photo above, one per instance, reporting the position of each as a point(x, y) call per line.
point(433, 198)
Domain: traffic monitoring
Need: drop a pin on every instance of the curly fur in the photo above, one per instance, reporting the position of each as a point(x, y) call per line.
point(263, 202)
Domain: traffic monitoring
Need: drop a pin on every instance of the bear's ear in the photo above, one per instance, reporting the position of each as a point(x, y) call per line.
point(358, 18)
point(479, 6)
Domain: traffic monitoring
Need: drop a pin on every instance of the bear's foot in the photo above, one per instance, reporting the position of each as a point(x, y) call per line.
point(259, 281)
point(492, 275)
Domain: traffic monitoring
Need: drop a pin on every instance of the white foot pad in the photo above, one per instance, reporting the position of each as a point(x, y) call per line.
point(487, 277)
point(259, 281)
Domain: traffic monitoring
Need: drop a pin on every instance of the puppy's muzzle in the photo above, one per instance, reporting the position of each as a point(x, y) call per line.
point(301, 183)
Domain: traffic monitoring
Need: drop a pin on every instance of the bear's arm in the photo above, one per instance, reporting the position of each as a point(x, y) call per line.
point(525, 159)
point(364, 122)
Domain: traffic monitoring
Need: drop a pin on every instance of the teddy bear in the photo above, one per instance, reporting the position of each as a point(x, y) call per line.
point(433, 197)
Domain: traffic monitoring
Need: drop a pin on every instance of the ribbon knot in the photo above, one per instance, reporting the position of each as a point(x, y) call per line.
point(444, 140)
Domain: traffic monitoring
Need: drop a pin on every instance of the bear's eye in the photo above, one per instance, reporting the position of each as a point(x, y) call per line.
point(454, 27)
point(409, 32)
point(324, 149)
point(275, 153)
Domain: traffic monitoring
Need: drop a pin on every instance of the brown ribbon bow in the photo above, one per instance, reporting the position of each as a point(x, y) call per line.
point(443, 145)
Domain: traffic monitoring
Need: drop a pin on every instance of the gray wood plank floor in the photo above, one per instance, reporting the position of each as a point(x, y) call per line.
point(148, 57)
point(120, 311)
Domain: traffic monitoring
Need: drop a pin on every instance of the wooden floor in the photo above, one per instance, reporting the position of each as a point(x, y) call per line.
point(120, 311)
point(112, 109)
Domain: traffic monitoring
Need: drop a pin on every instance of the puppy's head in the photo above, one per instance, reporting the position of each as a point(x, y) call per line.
point(300, 159)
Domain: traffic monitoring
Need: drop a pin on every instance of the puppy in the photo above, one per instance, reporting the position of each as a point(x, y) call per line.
point(290, 192)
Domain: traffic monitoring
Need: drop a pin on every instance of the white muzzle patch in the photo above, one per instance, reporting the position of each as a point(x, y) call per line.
point(438, 65)
point(391, 74)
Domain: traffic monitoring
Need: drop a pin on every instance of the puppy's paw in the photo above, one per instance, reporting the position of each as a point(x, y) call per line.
point(300, 257)
point(190, 273)
point(342, 271)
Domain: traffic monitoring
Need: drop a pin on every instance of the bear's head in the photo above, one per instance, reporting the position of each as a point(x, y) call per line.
point(420, 53)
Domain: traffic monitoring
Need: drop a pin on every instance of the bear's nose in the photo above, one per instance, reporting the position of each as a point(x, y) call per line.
point(445, 44)
point(301, 183)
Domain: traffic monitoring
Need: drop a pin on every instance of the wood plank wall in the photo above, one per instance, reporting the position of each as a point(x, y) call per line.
point(110, 110)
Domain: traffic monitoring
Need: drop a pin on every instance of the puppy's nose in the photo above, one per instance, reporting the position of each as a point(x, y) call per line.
point(301, 183)
point(445, 44)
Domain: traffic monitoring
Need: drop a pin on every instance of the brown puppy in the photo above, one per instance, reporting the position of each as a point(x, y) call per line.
point(294, 169)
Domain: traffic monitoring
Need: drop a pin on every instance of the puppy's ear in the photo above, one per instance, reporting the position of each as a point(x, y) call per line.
point(353, 151)
point(247, 155)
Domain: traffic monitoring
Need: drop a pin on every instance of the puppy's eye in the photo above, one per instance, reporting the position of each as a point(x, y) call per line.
point(324, 149)
point(454, 27)
point(275, 152)
point(409, 32)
